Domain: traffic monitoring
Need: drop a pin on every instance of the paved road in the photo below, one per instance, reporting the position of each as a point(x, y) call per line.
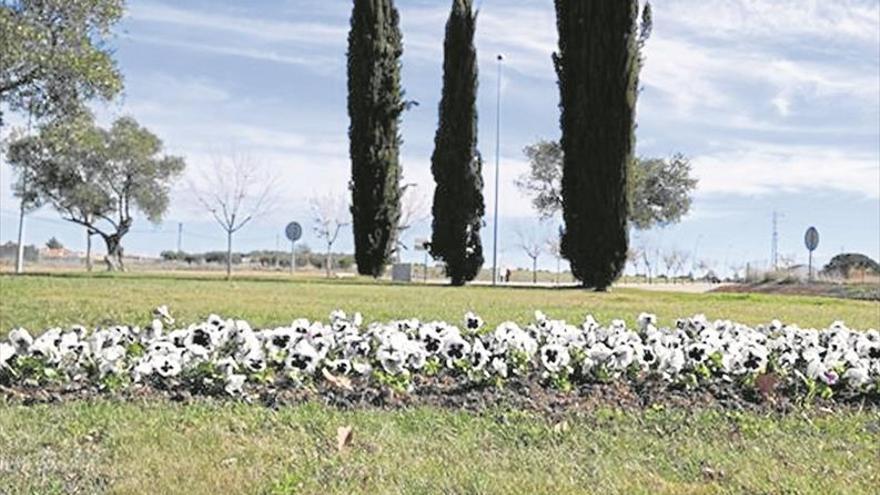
point(690, 288)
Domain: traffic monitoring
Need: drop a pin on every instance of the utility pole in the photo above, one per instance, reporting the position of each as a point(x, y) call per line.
point(774, 246)
point(19, 255)
point(179, 237)
point(497, 161)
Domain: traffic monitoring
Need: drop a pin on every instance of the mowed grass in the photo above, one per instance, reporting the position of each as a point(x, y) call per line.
point(229, 448)
point(38, 302)
point(216, 447)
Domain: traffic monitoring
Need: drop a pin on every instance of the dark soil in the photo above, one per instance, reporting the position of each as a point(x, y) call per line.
point(448, 392)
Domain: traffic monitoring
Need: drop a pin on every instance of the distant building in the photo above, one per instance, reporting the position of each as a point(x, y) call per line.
point(59, 254)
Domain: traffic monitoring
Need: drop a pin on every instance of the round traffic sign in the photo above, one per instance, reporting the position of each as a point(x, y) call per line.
point(293, 231)
point(811, 238)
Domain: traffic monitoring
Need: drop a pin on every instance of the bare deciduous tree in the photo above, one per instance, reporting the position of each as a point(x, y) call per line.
point(681, 261)
point(554, 247)
point(634, 256)
point(413, 209)
point(649, 258)
point(674, 261)
point(533, 249)
point(330, 214)
point(235, 191)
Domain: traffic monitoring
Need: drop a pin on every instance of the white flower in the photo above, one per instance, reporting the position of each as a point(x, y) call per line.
point(7, 351)
point(499, 366)
point(361, 368)
point(599, 353)
point(254, 361)
point(479, 355)
point(163, 313)
point(554, 357)
point(339, 366)
point(454, 348)
point(392, 360)
point(472, 322)
point(21, 340)
point(621, 357)
point(857, 377)
point(234, 383)
point(167, 365)
point(646, 321)
point(303, 357)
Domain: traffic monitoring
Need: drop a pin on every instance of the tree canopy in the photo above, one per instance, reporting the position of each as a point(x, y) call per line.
point(375, 102)
point(659, 189)
point(597, 64)
point(55, 54)
point(97, 178)
point(456, 165)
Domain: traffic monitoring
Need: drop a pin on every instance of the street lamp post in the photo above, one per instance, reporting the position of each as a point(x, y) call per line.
point(497, 160)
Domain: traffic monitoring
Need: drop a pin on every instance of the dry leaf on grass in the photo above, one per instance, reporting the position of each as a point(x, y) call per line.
point(343, 437)
point(337, 381)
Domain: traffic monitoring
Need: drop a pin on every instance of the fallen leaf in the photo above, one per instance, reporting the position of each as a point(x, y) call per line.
point(343, 437)
point(337, 381)
point(712, 474)
point(766, 384)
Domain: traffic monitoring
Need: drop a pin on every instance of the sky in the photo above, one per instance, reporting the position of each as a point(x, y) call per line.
point(776, 102)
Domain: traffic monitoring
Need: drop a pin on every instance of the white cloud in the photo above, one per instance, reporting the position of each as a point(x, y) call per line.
point(243, 24)
point(320, 64)
point(742, 21)
point(753, 168)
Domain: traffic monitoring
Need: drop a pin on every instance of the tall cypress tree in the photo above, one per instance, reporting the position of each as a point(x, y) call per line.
point(597, 65)
point(458, 197)
point(374, 107)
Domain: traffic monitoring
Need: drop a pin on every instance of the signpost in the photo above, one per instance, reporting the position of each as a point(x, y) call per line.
point(423, 245)
point(293, 231)
point(811, 240)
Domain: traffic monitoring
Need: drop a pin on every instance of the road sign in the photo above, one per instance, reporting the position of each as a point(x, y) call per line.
point(811, 240)
point(423, 244)
point(293, 231)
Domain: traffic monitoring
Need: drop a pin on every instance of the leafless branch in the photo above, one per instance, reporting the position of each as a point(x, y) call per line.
point(235, 191)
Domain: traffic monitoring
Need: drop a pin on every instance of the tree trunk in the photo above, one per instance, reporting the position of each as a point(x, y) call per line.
point(88, 251)
point(19, 253)
point(328, 260)
point(534, 270)
point(113, 258)
point(228, 255)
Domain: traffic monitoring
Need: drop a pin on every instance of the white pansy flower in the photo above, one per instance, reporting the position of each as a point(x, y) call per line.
point(555, 358)
point(7, 352)
point(303, 357)
point(234, 383)
point(21, 340)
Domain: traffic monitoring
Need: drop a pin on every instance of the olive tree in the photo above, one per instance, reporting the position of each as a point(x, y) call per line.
point(659, 189)
point(55, 54)
point(98, 178)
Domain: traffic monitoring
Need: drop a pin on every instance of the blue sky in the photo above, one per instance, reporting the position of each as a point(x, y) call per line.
point(777, 102)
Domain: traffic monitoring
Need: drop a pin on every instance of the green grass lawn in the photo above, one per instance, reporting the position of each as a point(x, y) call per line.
point(37, 302)
point(217, 447)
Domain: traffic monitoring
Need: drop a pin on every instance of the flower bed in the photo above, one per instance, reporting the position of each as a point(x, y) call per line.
point(224, 356)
